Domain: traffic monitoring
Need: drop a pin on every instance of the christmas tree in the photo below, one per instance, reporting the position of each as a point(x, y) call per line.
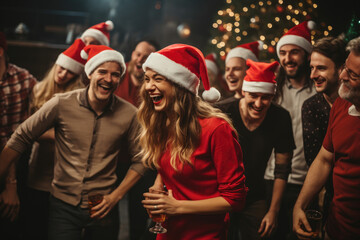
point(243, 21)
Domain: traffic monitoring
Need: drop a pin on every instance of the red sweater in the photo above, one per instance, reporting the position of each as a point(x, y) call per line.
point(343, 139)
point(217, 170)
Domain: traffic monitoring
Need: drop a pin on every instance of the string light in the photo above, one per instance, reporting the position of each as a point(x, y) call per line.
point(314, 5)
point(265, 46)
point(228, 1)
point(326, 33)
point(261, 3)
point(238, 38)
point(269, 25)
point(252, 5)
point(277, 19)
point(262, 37)
point(220, 12)
point(330, 28)
point(214, 41)
point(215, 25)
point(237, 30)
point(222, 53)
point(289, 7)
point(236, 24)
point(245, 9)
point(219, 21)
point(244, 33)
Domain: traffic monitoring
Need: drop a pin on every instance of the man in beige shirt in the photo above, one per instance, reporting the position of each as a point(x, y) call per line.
point(92, 126)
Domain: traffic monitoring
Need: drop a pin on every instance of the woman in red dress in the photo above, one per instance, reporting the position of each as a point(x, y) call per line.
point(193, 146)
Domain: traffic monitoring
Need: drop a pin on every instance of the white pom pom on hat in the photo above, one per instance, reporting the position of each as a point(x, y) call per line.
point(184, 65)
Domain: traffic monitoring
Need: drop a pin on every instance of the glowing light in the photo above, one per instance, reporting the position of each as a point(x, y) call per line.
point(215, 25)
point(304, 13)
point(236, 24)
point(296, 12)
point(252, 20)
point(226, 37)
point(252, 5)
point(326, 33)
point(273, 42)
point(245, 9)
point(229, 27)
point(238, 38)
point(286, 30)
point(214, 41)
point(228, 10)
point(220, 12)
point(300, 4)
point(262, 37)
point(219, 21)
point(297, 22)
point(222, 53)
point(244, 33)
point(276, 39)
point(281, 1)
point(330, 28)
point(265, 46)
point(268, 3)
point(231, 14)
point(228, 1)
point(277, 19)
point(269, 25)
point(261, 3)
point(314, 5)
point(237, 30)
point(289, 7)
point(288, 17)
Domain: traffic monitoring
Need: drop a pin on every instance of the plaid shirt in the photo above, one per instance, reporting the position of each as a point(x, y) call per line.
point(15, 89)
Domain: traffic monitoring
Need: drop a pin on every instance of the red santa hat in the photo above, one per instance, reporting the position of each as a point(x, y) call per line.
point(70, 59)
point(99, 54)
point(260, 77)
point(300, 35)
point(211, 63)
point(246, 51)
point(184, 65)
point(100, 32)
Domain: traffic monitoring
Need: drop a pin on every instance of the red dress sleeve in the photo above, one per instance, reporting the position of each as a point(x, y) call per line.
point(227, 157)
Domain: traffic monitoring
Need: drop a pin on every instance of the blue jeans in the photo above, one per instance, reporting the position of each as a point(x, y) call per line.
point(74, 223)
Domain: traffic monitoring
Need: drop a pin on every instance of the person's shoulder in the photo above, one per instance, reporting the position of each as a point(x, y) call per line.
point(341, 104)
point(313, 100)
point(210, 124)
point(225, 104)
point(124, 105)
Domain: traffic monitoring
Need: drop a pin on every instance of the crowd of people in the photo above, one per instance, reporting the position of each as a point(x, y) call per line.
point(241, 155)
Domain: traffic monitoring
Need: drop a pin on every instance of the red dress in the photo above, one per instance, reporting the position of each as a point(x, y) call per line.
point(217, 170)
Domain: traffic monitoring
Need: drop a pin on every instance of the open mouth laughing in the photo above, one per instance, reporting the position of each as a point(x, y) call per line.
point(156, 98)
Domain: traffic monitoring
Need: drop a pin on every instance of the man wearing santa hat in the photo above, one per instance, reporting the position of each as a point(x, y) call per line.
point(294, 86)
point(262, 127)
point(235, 65)
point(92, 126)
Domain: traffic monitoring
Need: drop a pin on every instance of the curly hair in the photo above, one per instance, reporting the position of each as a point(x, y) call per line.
point(181, 133)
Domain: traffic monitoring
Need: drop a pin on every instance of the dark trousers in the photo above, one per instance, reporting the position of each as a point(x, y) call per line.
point(244, 225)
point(284, 230)
point(67, 222)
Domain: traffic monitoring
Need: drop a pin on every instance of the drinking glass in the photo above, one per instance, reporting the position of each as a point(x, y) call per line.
point(314, 218)
point(93, 200)
point(158, 218)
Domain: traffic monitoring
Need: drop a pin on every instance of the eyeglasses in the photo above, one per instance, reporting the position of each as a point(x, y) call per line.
point(353, 76)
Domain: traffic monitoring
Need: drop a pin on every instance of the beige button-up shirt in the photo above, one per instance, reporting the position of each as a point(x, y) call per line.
point(86, 145)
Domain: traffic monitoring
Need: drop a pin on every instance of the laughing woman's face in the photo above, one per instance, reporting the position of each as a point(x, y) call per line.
point(159, 89)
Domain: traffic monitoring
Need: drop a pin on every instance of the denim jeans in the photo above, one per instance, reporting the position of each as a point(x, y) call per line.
point(68, 222)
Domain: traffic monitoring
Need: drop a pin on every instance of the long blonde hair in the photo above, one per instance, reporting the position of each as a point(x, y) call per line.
point(181, 133)
point(47, 88)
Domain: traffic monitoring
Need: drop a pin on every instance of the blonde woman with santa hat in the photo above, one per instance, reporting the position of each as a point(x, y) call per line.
point(99, 34)
point(63, 76)
point(191, 144)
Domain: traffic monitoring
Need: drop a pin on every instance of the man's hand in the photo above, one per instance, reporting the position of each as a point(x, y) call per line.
point(268, 224)
point(301, 225)
point(9, 202)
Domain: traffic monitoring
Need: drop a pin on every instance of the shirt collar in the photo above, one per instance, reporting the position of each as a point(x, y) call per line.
point(353, 112)
point(289, 86)
point(84, 101)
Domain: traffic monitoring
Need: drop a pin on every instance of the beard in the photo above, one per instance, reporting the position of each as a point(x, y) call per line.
point(299, 72)
point(351, 94)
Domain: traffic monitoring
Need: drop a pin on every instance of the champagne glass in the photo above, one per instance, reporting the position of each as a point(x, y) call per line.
point(158, 218)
